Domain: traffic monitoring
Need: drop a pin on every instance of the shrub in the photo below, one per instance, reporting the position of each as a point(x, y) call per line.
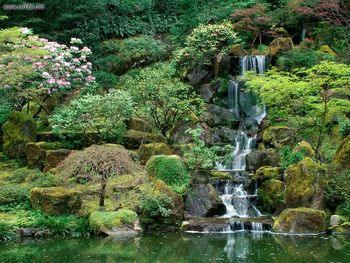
point(344, 127)
point(100, 221)
point(13, 194)
point(169, 169)
point(289, 157)
point(156, 204)
point(97, 160)
point(106, 80)
point(100, 117)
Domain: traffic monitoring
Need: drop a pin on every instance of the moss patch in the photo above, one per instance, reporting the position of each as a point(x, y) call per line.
point(146, 151)
point(102, 221)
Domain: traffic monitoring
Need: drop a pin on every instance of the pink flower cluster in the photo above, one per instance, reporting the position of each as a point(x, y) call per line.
point(65, 68)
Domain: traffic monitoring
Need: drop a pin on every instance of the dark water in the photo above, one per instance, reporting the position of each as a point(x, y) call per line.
point(181, 248)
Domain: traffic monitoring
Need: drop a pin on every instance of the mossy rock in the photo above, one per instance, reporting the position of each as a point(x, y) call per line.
point(305, 148)
point(54, 157)
point(260, 158)
point(327, 50)
point(56, 200)
point(111, 223)
point(300, 221)
point(237, 50)
point(134, 139)
point(138, 124)
point(271, 196)
point(168, 168)
point(305, 182)
point(19, 129)
point(146, 151)
point(341, 229)
point(36, 153)
point(342, 156)
point(220, 175)
point(281, 44)
point(268, 172)
point(278, 136)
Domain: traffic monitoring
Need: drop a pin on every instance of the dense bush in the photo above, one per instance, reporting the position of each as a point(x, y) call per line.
point(156, 204)
point(289, 157)
point(170, 169)
point(344, 127)
point(97, 117)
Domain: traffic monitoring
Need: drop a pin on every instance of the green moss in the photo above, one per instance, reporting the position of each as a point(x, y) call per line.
point(146, 151)
point(170, 169)
point(305, 184)
point(19, 129)
point(102, 221)
point(277, 136)
point(268, 172)
point(343, 154)
point(56, 200)
point(271, 195)
point(305, 148)
point(220, 175)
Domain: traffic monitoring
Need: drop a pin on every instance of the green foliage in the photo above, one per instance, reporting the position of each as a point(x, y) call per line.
point(201, 157)
point(305, 99)
point(106, 80)
point(338, 190)
point(156, 204)
point(344, 127)
point(161, 97)
point(169, 169)
point(301, 58)
point(204, 43)
point(289, 157)
point(95, 116)
point(108, 220)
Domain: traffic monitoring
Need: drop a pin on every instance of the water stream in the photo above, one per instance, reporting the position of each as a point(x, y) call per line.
point(238, 202)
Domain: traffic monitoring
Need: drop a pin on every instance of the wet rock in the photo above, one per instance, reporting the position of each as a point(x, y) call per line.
point(305, 182)
point(56, 200)
point(300, 221)
point(18, 130)
point(207, 92)
point(26, 232)
point(342, 155)
point(281, 44)
point(224, 135)
point(203, 201)
point(54, 157)
point(146, 151)
point(260, 158)
point(217, 116)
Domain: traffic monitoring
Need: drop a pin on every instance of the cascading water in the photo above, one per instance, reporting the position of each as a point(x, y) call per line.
point(236, 199)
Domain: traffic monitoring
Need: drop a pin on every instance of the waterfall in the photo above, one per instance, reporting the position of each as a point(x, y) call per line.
point(252, 63)
point(237, 201)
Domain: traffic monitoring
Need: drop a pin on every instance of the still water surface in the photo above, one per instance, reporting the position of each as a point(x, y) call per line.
point(183, 248)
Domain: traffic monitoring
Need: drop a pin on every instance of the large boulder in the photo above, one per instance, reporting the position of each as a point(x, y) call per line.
point(267, 173)
point(224, 135)
point(203, 201)
point(305, 182)
point(120, 223)
point(133, 139)
point(342, 156)
point(280, 45)
point(237, 50)
point(222, 65)
point(300, 221)
point(36, 153)
point(54, 157)
point(146, 151)
point(278, 136)
point(19, 129)
point(138, 124)
point(199, 77)
point(207, 92)
point(260, 158)
point(271, 196)
point(217, 116)
point(56, 200)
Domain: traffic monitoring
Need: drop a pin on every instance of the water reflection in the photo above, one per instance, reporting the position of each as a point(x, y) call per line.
point(184, 248)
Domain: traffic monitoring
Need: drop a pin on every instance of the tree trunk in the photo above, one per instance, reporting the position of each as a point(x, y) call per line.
point(103, 190)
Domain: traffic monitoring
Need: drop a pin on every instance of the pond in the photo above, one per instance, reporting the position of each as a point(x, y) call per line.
point(181, 248)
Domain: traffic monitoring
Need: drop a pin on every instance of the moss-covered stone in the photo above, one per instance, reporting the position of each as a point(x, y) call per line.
point(54, 157)
point(237, 50)
point(56, 200)
point(133, 139)
point(260, 158)
point(341, 229)
point(170, 169)
point(146, 151)
point(342, 156)
point(305, 148)
point(36, 153)
point(267, 172)
point(271, 196)
point(138, 124)
point(300, 220)
point(19, 129)
point(220, 175)
point(112, 222)
point(327, 50)
point(281, 44)
point(305, 182)
point(278, 136)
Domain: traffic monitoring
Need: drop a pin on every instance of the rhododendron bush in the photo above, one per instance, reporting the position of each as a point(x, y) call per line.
point(32, 69)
